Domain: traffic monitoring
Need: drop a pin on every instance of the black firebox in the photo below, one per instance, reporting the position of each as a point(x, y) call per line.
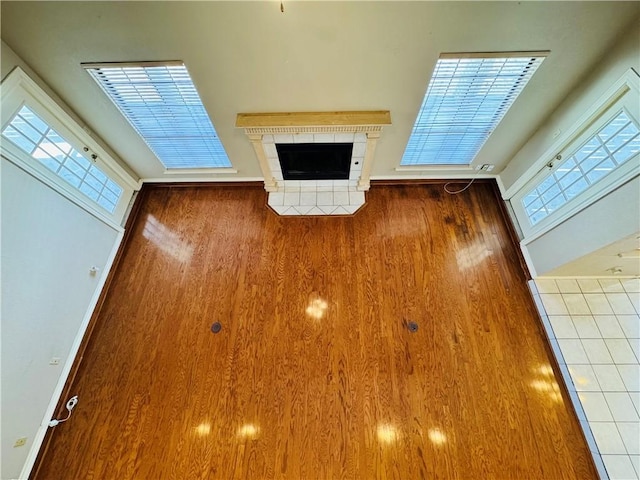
point(315, 161)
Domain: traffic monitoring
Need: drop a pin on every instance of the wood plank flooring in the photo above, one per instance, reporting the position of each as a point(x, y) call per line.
point(315, 373)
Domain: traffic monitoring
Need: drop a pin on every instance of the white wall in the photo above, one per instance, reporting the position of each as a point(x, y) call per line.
point(48, 245)
point(613, 217)
point(623, 55)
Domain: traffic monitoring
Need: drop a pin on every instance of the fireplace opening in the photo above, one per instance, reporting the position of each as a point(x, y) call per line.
point(315, 161)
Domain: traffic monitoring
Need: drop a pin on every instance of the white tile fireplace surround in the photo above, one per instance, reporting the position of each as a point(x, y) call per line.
point(315, 197)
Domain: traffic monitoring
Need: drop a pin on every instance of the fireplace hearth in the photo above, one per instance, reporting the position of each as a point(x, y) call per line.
point(315, 163)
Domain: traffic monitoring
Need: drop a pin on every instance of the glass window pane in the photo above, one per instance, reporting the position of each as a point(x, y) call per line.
point(569, 178)
point(35, 121)
point(587, 149)
point(629, 150)
point(530, 198)
point(52, 150)
point(74, 167)
point(551, 192)
point(584, 167)
point(535, 206)
point(26, 129)
point(88, 191)
point(590, 162)
point(20, 140)
point(58, 156)
point(80, 159)
point(50, 163)
point(613, 127)
point(163, 106)
point(465, 100)
point(537, 216)
point(565, 167)
point(600, 171)
point(106, 204)
point(96, 172)
point(112, 197)
point(114, 187)
point(94, 182)
point(624, 136)
point(556, 203)
point(546, 184)
point(58, 141)
point(577, 188)
point(68, 176)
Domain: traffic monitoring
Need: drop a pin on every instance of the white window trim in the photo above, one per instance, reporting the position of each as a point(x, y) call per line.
point(435, 168)
point(19, 89)
point(625, 91)
point(192, 171)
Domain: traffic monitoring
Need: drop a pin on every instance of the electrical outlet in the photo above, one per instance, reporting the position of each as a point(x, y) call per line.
point(54, 361)
point(20, 442)
point(485, 167)
point(73, 401)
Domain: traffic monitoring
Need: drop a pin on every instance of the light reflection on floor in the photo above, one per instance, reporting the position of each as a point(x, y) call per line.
point(166, 240)
point(472, 255)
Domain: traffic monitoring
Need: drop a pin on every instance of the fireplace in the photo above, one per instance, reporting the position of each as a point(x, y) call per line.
point(314, 161)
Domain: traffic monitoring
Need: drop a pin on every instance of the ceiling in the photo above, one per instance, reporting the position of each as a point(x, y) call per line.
point(316, 56)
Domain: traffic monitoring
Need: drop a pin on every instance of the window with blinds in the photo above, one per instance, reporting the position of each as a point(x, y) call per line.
point(162, 104)
point(467, 97)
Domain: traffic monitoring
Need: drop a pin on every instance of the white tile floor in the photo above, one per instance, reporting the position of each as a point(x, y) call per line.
point(594, 329)
point(337, 200)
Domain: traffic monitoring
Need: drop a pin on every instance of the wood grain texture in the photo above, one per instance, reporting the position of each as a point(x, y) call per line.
point(315, 374)
point(316, 119)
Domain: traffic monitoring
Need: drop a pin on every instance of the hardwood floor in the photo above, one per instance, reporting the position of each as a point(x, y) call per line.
point(315, 373)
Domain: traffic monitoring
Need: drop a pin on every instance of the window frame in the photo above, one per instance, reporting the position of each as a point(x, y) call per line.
point(434, 91)
point(94, 70)
point(18, 90)
point(623, 95)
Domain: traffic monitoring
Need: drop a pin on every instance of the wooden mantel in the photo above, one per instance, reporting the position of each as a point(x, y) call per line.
point(313, 119)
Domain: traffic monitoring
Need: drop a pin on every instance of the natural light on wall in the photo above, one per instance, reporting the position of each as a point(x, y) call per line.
point(467, 97)
point(161, 102)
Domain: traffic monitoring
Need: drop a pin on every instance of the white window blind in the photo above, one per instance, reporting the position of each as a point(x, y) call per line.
point(465, 101)
point(162, 104)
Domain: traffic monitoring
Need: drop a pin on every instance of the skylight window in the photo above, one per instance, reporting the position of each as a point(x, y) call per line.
point(161, 102)
point(466, 99)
